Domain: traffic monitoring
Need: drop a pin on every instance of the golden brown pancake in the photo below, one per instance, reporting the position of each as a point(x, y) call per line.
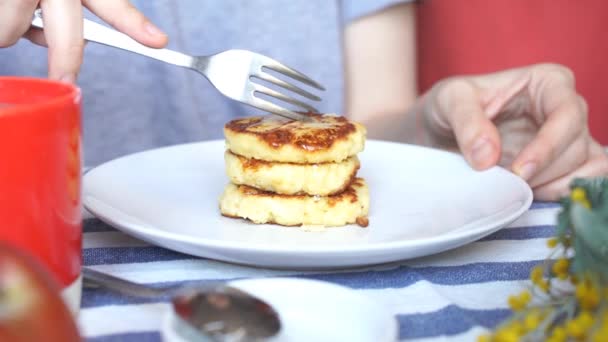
point(323, 139)
point(347, 207)
point(289, 178)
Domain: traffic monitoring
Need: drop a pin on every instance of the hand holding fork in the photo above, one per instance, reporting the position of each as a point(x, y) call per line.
point(232, 72)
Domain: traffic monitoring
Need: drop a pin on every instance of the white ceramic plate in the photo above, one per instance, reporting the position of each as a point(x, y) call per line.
point(423, 201)
point(320, 312)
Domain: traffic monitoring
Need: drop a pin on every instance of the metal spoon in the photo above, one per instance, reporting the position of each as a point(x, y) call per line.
point(215, 312)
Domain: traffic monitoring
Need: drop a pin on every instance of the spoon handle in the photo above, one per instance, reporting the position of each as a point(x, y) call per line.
point(96, 279)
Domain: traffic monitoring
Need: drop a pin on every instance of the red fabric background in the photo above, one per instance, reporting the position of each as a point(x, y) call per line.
point(480, 36)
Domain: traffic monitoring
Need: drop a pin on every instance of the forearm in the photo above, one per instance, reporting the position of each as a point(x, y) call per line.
point(380, 73)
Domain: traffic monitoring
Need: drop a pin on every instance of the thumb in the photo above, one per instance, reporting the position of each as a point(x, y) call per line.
point(477, 136)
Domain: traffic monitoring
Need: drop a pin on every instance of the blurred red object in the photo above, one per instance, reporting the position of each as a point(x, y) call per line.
point(40, 178)
point(31, 307)
point(481, 36)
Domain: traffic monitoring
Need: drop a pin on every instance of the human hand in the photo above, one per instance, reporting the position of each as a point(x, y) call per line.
point(530, 120)
point(63, 28)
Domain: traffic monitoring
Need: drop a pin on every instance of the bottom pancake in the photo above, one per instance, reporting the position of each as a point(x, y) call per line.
point(347, 207)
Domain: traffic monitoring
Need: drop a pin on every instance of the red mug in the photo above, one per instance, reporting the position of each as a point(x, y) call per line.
point(40, 176)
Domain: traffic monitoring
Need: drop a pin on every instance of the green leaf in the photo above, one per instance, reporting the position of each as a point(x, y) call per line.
point(563, 223)
point(597, 191)
point(591, 239)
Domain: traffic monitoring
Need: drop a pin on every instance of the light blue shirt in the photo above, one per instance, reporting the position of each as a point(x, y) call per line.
point(132, 103)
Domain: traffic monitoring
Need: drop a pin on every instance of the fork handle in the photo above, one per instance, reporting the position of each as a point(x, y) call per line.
point(97, 33)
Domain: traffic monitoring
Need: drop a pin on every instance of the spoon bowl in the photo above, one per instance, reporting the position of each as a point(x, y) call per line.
point(311, 310)
point(215, 312)
point(225, 314)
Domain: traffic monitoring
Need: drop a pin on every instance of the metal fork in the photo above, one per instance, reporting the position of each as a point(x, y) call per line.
point(232, 72)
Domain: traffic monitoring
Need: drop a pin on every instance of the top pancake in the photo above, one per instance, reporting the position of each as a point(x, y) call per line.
point(323, 139)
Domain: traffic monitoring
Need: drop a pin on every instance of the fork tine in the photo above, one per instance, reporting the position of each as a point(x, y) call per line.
point(287, 71)
point(277, 81)
point(270, 92)
point(274, 109)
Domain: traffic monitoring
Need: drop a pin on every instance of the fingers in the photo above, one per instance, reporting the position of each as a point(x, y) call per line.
point(126, 18)
point(561, 128)
point(543, 119)
point(15, 19)
point(570, 159)
point(36, 36)
point(63, 33)
point(595, 166)
point(459, 105)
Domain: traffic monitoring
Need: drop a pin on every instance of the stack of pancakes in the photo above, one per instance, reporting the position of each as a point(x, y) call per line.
point(295, 173)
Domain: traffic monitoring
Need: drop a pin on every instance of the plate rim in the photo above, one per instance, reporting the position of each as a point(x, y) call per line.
point(145, 231)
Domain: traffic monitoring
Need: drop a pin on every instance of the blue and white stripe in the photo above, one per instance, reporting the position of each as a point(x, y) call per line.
point(452, 296)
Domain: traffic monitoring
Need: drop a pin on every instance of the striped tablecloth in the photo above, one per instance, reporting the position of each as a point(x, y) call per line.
point(452, 296)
